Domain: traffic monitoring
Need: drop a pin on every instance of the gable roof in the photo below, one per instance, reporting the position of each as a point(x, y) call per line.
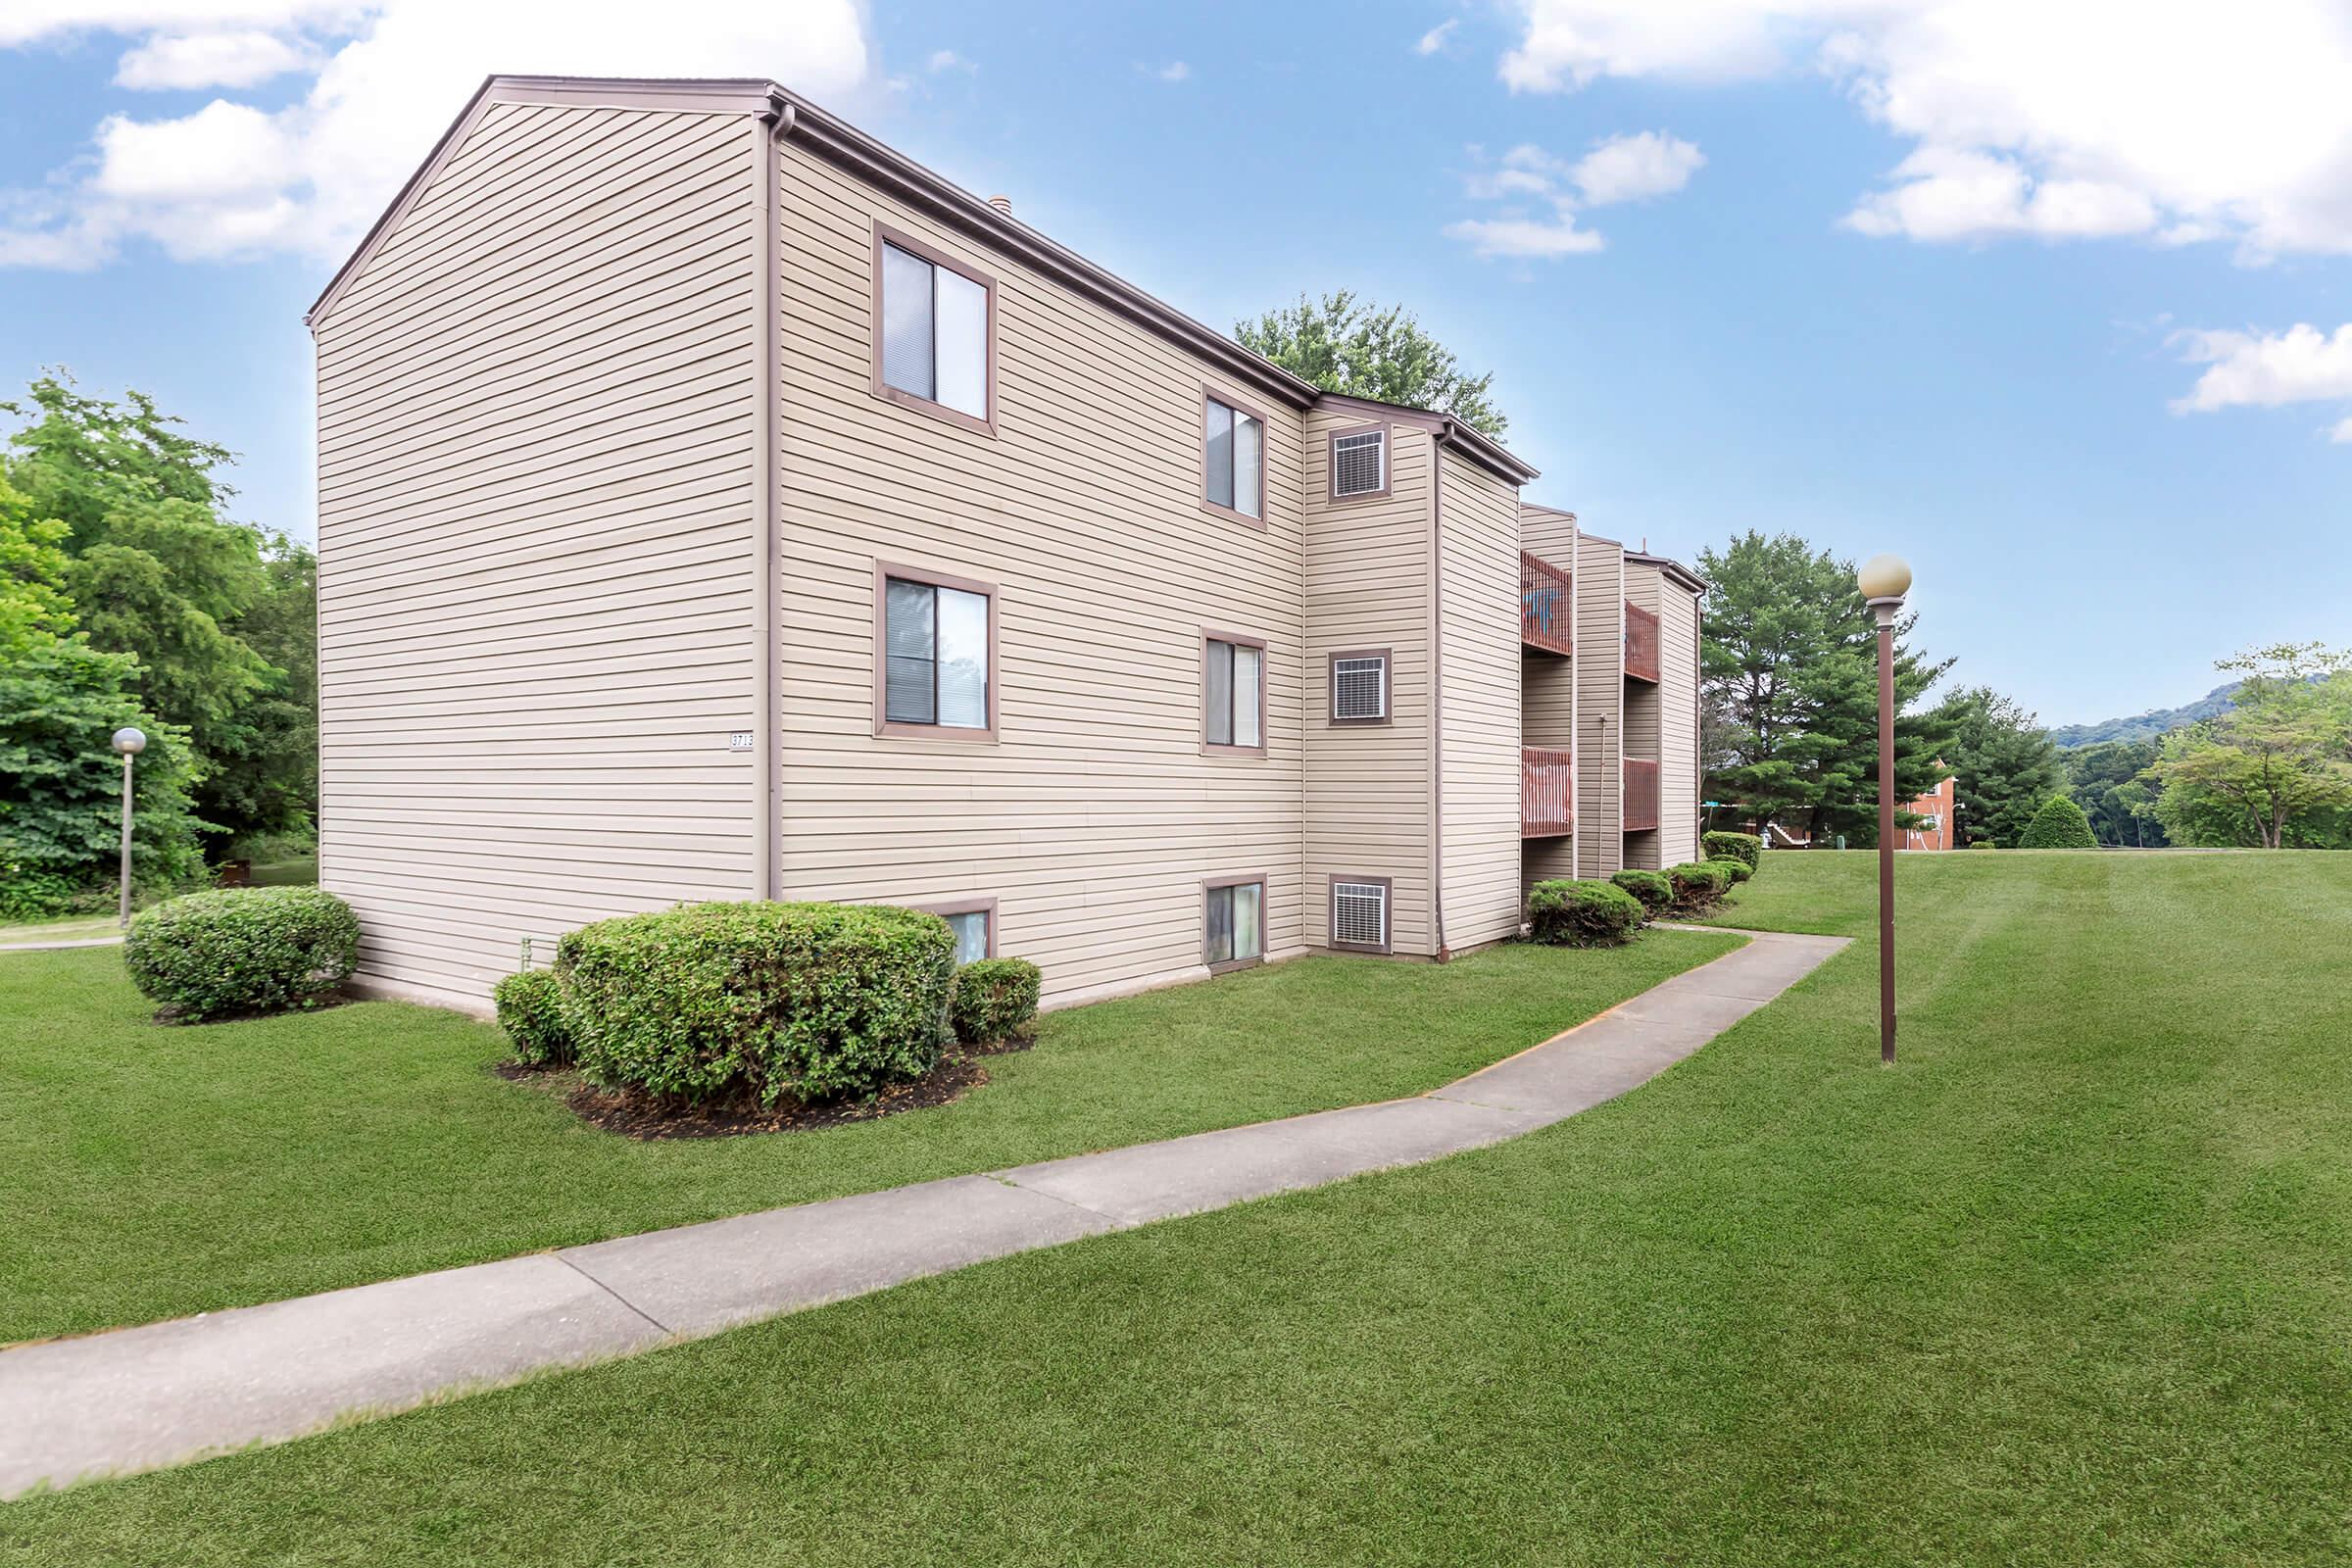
point(938, 198)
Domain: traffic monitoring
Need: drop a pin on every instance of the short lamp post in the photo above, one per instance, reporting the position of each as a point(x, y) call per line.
point(130, 743)
point(1883, 581)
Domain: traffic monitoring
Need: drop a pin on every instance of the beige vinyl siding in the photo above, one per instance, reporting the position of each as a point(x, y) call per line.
point(1545, 860)
point(1095, 817)
point(1599, 703)
point(1367, 585)
point(1642, 715)
point(535, 531)
point(1550, 533)
point(1478, 620)
point(1678, 726)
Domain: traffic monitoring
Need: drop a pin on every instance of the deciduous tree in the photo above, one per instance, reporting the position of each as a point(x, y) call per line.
point(1357, 349)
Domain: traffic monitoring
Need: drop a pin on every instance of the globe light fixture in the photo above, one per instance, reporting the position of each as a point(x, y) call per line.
point(1883, 581)
point(129, 743)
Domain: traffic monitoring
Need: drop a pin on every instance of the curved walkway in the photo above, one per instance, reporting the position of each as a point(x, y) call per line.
point(139, 1399)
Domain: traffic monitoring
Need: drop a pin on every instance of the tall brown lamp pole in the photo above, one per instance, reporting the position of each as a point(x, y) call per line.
point(1883, 581)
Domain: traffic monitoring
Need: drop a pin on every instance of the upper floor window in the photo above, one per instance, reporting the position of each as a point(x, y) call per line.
point(1359, 463)
point(1233, 460)
point(932, 332)
point(938, 664)
point(1234, 687)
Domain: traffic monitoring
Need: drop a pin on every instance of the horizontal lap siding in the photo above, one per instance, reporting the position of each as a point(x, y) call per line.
point(1642, 715)
point(1368, 570)
point(1600, 696)
point(1678, 726)
point(1094, 818)
point(536, 501)
point(1478, 582)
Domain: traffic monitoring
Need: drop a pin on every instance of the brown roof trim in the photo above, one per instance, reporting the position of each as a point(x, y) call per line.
point(1526, 507)
point(1669, 567)
point(1481, 448)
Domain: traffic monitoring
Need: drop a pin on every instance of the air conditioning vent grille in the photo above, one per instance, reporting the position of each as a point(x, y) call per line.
point(1359, 463)
point(1360, 688)
point(1359, 914)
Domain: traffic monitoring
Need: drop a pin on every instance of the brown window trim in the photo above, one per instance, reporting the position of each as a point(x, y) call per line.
point(1330, 465)
point(1387, 690)
point(973, 905)
point(1209, 748)
point(884, 571)
point(1265, 430)
point(1242, 880)
point(1331, 913)
point(882, 389)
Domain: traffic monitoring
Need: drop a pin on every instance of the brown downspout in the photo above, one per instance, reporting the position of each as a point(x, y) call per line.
point(767, 735)
point(1436, 696)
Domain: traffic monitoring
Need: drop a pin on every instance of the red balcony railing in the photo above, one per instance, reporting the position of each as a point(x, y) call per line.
point(1546, 793)
point(1547, 606)
point(1640, 795)
point(1641, 642)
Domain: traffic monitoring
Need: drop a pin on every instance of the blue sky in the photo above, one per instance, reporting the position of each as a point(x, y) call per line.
point(1882, 283)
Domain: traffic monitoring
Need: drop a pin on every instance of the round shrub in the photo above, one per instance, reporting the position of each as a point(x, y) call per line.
point(1651, 887)
point(242, 949)
point(530, 1009)
point(1696, 886)
point(1582, 914)
point(1738, 870)
point(2059, 825)
point(1747, 848)
point(759, 1002)
point(994, 1000)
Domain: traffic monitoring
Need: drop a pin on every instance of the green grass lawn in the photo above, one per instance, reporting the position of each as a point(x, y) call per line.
point(2072, 1285)
point(156, 1171)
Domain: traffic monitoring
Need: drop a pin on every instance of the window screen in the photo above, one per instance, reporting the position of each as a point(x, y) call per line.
point(1235, 683)
point(1234, 925)
point(1359, 463)
point(934, 332)
point(1234, 444)
point(935, 652)
point(1360, 687)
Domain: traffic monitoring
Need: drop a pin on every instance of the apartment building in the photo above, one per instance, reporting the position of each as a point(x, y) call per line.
point(714, 504)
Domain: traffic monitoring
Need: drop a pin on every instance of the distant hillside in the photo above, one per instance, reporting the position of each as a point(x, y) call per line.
point(2143, 726)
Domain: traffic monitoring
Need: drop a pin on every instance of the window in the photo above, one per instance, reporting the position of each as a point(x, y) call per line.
point(1360, 687)
point(936, 674)
point(1235, 922)
point(1359, 913)
point(974, 922)
point(1359, 463)
point(1233, 460)
point(1233, 681)
point(933, 330)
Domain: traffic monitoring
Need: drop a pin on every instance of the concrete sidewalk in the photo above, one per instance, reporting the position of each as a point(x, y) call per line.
point(139, 1399)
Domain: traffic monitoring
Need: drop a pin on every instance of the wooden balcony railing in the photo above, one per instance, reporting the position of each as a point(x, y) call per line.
point(1546, 793)
point(1640, 795)
point(1547, 606)
point(1641, 642)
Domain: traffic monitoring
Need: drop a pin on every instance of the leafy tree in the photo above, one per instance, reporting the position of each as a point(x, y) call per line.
point(2003, 764)
point(2277, 770)
point(1790, 663)
point(2059, 825)
point(1356, 349)
point(2105, 780)
point(264, 762)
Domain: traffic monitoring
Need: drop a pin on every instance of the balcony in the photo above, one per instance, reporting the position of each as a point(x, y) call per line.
point(1546, 793)
point(1640, 644)
point(1547, 606)
point(1640, 795)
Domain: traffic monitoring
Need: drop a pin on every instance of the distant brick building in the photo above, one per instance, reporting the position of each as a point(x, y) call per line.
point(1936, 833)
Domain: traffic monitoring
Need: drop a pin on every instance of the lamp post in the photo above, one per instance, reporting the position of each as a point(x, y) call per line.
point(130, 743)
point(1883, 581)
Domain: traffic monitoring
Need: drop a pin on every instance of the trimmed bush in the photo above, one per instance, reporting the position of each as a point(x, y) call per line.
point(2059, 825)
point(530, 1009)
point(994, 1000)
point(1582, 914)
point(1739, 870)
point(1744, 848)
point(759, 1002)
point(1697, 885)
point(1984, 844)
point(242, 949)
point(1651, 887)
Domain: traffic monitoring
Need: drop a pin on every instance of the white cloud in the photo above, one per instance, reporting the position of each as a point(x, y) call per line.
point(1617, 169)
point(236, 179)
point(946, 60)
point(2247, 370)
point(1173, 71)
point(2342, 432)
point(187, 60)
point(1627, 168)
point(1435, 38)
point(2060, 119)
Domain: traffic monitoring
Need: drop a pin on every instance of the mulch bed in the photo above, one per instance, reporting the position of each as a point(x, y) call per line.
point(636, 1115)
